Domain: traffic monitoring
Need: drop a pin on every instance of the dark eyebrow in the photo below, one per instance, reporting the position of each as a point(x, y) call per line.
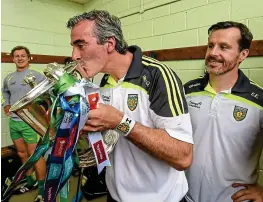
point(78, 41)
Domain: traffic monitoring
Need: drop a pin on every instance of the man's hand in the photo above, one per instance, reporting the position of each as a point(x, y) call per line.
point(103, 118)
point(253, 192)
point(6, 110)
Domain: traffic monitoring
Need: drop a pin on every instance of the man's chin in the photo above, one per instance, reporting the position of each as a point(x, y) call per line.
point(215, 70)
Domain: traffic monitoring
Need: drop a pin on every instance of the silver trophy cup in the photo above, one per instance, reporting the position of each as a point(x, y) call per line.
point(34, 107)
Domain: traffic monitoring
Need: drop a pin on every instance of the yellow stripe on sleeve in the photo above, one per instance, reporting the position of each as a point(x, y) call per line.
point(174, 83)
point(169, 90)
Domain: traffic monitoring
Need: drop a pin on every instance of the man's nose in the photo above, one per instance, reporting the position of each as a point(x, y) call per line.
point(214, 51)
point(75, 54)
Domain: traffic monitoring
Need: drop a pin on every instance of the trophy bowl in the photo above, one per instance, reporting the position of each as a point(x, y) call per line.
point(33, 108)
point(30, 110)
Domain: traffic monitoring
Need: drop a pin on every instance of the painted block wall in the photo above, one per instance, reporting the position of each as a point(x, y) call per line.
point(41, 26)
point(164, 24)
point(38, 24)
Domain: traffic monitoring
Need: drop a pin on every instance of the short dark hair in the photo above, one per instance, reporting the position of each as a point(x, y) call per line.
point(20, 48)
point(246, 35)
point(106, 25)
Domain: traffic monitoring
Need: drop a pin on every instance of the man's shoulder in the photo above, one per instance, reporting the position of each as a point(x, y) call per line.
point(153, 64)
point(157, 70)
point(160, 74)
point(10, 75)
point(195, 85)
point(256, 93)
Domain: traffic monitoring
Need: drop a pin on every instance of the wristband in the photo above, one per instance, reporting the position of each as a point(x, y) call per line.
point(125, 126)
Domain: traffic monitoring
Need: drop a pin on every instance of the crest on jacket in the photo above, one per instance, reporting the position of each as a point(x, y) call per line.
point(239, 113)
point(132, 101)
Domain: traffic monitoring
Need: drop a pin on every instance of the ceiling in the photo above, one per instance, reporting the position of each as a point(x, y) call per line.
point(80, 1)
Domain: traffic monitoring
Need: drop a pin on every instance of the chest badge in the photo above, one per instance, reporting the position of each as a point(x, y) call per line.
point(132, 101)
point(239, 113)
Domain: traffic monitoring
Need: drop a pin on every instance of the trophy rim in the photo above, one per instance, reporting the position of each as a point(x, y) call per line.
point(35, 92)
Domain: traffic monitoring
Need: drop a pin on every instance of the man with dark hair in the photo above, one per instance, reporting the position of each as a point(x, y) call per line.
point(20, 48)
point(226, 110)
point(245, 35)
point(23, 136)
point(144, 103)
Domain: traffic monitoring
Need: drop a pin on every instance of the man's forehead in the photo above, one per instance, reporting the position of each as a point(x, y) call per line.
point(81, 30)
point(228, 36)
point(226, 33)
point(84, 26)
point(21, 51)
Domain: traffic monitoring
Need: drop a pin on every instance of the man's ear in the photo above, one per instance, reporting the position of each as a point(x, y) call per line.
point(110, 44)
point(243, 55)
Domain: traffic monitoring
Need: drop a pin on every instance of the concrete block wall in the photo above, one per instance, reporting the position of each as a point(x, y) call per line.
point(164, 24)
point(41, 26)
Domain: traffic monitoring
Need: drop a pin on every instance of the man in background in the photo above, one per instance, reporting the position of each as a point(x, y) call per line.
point(23, 136)
point(226, 110)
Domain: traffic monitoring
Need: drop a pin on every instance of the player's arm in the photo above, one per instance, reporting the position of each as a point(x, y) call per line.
point(6, 97)
point(171, 140)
